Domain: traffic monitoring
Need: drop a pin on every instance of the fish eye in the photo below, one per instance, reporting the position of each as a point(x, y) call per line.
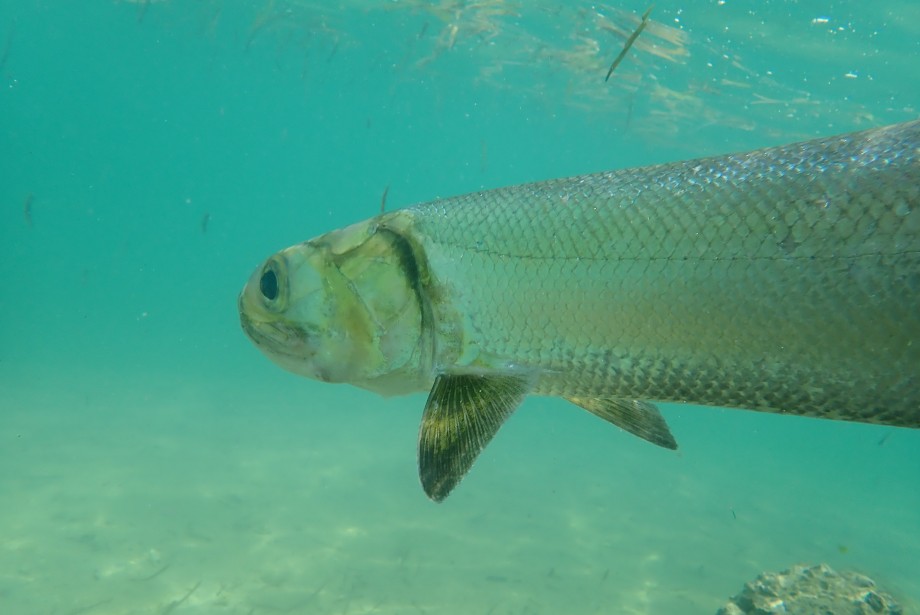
point(268, 284)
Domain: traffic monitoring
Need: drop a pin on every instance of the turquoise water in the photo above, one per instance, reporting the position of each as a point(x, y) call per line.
point(152, 461)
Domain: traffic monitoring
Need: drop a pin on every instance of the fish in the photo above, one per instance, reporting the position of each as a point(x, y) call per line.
point(783, 280)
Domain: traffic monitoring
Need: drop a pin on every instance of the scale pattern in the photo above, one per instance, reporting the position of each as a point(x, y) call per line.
point(785, 279)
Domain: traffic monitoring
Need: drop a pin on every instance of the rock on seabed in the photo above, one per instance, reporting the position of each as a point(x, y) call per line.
point(811, 590)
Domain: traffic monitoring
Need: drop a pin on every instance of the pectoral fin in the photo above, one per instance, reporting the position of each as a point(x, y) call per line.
point(639, 418)
point(463, 413)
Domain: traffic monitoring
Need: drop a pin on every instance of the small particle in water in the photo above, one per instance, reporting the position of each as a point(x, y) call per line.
point(851, 75)
point(27, 209)
point(383, 199)
point(820, 20)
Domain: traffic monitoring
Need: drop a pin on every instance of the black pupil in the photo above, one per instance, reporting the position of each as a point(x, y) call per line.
point(269, 285)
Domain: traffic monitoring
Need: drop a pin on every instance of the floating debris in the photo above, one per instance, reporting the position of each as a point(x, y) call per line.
point(383, 199)
point(629, 42)
point(27, 209)
point(553, 52)
point(172, 606)
point(142, 10)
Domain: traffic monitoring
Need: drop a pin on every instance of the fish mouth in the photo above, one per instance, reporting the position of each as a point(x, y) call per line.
point(245, 321)
point(285, 345)
point(274, 338)
point(252, 331)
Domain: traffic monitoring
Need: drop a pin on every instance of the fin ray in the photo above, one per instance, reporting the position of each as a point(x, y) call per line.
point(640, 418)
point(462, 415)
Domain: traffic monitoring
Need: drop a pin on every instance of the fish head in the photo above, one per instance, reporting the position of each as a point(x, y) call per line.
point(340, 308)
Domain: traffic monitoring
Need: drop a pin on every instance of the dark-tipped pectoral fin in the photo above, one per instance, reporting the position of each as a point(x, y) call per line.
point(463, 413)
point(639, 418)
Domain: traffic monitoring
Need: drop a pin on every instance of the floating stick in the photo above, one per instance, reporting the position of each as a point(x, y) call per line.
point(629, 42)
point(383, 199)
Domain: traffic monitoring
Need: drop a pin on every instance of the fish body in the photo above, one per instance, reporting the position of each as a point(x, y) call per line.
point(783, 280)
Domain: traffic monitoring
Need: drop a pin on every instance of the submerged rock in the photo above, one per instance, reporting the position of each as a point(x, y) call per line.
point(814, 590)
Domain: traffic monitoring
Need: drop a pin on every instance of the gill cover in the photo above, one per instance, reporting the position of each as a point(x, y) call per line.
point(344, 307)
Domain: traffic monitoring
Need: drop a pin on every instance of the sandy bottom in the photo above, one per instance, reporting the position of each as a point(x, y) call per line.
point(142, 495)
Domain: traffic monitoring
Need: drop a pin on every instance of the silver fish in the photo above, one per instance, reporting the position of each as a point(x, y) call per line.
point(783, 280)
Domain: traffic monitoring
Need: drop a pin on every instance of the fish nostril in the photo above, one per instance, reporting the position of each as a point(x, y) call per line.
point(268, 284)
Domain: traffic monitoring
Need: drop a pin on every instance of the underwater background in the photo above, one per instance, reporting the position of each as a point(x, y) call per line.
point(152, 461)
